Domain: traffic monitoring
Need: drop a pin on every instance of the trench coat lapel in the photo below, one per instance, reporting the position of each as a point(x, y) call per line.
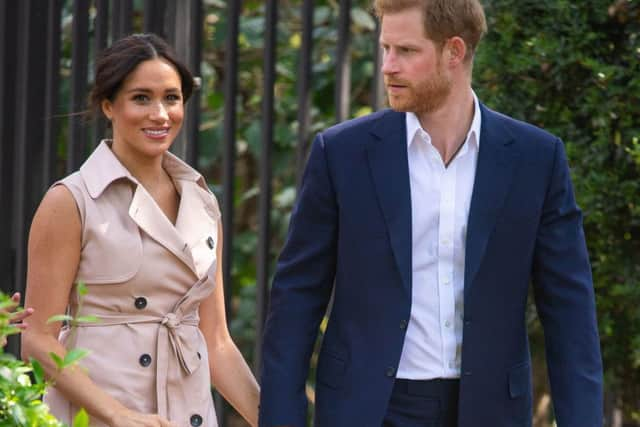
point(197, 224)
point(147, 214)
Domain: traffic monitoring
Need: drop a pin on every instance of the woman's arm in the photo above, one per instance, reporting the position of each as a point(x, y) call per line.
point(54, 256)
point(229, 371)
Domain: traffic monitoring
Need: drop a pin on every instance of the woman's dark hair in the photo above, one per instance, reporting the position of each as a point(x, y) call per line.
point(117, 61)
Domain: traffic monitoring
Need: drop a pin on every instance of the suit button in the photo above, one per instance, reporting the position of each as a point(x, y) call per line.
point(199, 355)
point(141, 303)
point(145, 360)
point(403, 324)
point(210, 242)
point(196, 420)
point(391, 371)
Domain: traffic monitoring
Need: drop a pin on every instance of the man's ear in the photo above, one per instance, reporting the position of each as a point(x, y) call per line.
point(455, 50)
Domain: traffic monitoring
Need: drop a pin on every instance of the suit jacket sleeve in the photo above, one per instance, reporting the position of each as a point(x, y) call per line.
point(565, 301)
point(300, 293)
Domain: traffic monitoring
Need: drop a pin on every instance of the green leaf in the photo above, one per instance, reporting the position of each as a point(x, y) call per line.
point(57, 360)
point(74, 355)
point(81, 419)
point(59, 318)
point(38, 371)
point(82, 289)
point(87, 319)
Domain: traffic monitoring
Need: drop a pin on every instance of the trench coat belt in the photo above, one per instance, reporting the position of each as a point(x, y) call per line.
point(172, 335)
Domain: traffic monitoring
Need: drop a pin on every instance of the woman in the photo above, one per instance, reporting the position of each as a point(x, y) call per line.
point(141, 229)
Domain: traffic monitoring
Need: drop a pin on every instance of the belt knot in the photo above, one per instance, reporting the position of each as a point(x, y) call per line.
point(171, 321)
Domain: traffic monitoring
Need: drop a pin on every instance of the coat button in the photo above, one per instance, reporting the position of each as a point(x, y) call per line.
point(403, 324)
point(196, 420)
point(391, 371)
point(145, 360)
point(210, 242)
point(141, 303)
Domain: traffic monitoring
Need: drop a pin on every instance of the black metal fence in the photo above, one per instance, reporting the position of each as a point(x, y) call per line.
point(30, 123)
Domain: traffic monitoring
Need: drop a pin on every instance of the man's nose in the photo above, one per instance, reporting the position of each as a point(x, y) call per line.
point(389, 64)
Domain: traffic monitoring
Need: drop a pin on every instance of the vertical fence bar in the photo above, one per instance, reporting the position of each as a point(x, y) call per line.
point(378, 96)
point(29, 131)
point(154, 13)
point(121, 16)
point(52, 76)
point(343, 62)
point(8, 50)
point(304, 87)
point(79, 65)
point(229, 138)
point(187, 42)
point(100, 43)
point(264, 203)
point(234, 8)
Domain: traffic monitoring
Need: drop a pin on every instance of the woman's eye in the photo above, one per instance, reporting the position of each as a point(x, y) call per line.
point(140, 98)
point(173, 98)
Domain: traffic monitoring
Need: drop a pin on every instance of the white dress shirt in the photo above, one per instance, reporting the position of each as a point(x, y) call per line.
point(440, 199)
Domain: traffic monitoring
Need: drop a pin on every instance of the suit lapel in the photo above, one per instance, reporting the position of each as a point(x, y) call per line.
point(497, 160)
point(387, 155)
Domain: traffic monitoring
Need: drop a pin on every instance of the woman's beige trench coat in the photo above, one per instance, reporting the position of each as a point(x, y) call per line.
point(146, 279)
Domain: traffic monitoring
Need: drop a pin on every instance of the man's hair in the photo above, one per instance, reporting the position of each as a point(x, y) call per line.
point(443, 19)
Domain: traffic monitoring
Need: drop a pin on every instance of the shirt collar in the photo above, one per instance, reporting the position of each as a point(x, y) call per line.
point(102, 168)
point(414, 126)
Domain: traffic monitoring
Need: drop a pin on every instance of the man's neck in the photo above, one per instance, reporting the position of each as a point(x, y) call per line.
point(449, 125)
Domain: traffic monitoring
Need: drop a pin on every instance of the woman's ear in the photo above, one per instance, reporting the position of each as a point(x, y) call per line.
point(107, 109)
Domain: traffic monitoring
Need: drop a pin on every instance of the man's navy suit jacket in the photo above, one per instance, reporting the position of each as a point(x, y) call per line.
point(350, 235)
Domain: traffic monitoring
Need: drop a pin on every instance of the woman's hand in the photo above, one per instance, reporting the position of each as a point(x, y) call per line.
point(128, 418)
point(17, 318)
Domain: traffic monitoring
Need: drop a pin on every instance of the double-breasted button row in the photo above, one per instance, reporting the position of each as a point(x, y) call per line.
point(195, 420)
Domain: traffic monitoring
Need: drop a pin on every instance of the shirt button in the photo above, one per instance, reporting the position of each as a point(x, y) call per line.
point(145, 360)
point(141, 303)
point(447, 324)
point(210, 242)
point(195, 420)
point(446, 281)
point(403, 324)
point(391, 372)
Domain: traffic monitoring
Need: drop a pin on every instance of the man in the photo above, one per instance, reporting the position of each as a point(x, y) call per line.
point(428, 222)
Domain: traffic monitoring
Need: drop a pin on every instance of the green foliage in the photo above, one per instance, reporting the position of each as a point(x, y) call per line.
point(573, 68)
point(249, 121)
point(20, 404)
point(23, 384)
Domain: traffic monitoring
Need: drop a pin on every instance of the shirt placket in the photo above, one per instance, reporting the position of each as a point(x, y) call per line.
point(446, 230)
